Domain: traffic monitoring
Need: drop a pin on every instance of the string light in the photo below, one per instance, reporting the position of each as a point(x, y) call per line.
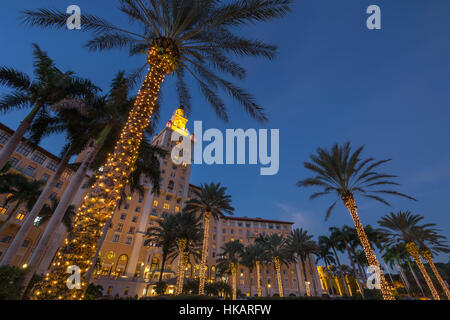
point(276, 262)
point(182, 259)
point(412, 249)
point(201, 287)
point(100, 201)
point(258, 278)
point(349, 202)
point(426, 254)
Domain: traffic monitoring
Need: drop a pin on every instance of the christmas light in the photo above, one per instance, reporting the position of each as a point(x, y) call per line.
point(426, 254)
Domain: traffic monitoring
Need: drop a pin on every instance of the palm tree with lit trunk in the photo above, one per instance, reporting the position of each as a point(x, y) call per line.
point(277, 251)
point(229, 260)
point(195, 37)
point(344, 173)
point(252, 257)
point(324, 253)
point(211, 201)
point(404, 227)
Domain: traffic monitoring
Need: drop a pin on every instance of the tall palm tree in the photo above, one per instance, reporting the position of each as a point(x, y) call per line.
point(277, 250)
point(346, 238)
point(178, 37)
point(331, 243)
point(300, 245)
point(323, 253)
point(403, 227)
point(211, 201)
point(343, 172)
point(228, 262)
point(163, 235)
point(49, 86)
point(20, 191)
point(252, 257)
point(188, 235)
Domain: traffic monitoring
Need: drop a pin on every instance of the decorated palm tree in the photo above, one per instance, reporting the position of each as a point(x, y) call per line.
point(178, 38)
point(300, 245)
point(330, 242)
point(49, 86)
point(188, 235)
point(19, 191)
point(277, 251)
point(345, 173)
point(211, 201)
point(324, 253)
point(228, 262)
point(252, 257)
point(404, 227)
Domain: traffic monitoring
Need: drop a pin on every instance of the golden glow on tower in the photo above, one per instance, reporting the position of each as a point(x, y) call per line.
point(178, 122)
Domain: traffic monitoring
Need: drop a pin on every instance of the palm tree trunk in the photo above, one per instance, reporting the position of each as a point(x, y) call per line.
point(414, 252)
point(233, 280)
point(100, 201)
point(330, 280)
point(14, 140)
point(201, 287)
point(37, 207)
point(313, 274)
point(341, 273)
point(349, 202)
point(181, 257)
point(305, 279)
point(102, 238)
point(9, 216)
point(426, 254)
point(277, 264)
point(297, 275)
point(258, 279)
point(415, 277)
point(57, 216)
point(250, 271)
point(350, 256)
point(404, 279)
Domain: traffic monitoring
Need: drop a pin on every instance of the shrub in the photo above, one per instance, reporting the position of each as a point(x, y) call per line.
point(10, 280)
point(160, 287)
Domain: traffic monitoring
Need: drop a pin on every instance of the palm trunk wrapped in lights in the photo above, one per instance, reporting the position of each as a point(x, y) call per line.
point(349, 202)
point(412, 249)
point(201, 287)
point(277, 264)
point(426, 254)
point(258, 279)
point(100, 201)
point(233, 280)
point(181, 262)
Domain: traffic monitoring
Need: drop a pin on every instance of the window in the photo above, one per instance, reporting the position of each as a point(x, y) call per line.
point(155, 203)
point(134, 219)
point(3, 137)
point(232, 231)
point(59, 185)
point(166, 206)
point(177, 209)
point(52, 196)
point(20, 215)
point(116, 238)
point(131, 231)
point(240, 224)
point(6, 239)
point(66, 175)
point(119, 227)
point(25, 243)
point(255, 225)
point(51, 165)
point(45, 177)
point(247, 225)
point(38, 157)
point(14, 162)
point(123, 216)
point(126, 206)
point(140, 199)
point(129, 240)
point(3, 209)
point(278, 227)
point(168, 197)
point(232, 223)
point(30, 171)
point(154, 212)
point(224, 230)
point(23, 150)
point(138, 209)
point(270, 226)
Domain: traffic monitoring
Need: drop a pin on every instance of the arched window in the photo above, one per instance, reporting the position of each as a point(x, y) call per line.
point(155, 264)
point(121, 265)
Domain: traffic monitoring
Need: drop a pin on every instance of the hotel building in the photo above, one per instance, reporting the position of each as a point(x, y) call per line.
point(127, 267)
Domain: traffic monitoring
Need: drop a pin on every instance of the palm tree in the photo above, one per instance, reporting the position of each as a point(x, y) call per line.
point(164, 237)
point(178, 37)
point(276, 248)
point(395, 256)
point(49, 86)
point(48, 210)
point(340, 171)
point(323, 253)
point(403, 227)
point(210, 201)
point(331, 243)
point(252, 257)
point(21, 192)
point(301, 245)
point(228, 262)
point(346, 238)
point(188, 235)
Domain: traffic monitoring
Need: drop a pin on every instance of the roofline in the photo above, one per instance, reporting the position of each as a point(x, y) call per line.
point(257, 219)
point(40, 149)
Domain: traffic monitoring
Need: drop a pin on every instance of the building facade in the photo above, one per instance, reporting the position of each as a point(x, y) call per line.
point(127, 267)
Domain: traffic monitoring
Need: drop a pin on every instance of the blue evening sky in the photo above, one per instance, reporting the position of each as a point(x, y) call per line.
point(333, 80)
